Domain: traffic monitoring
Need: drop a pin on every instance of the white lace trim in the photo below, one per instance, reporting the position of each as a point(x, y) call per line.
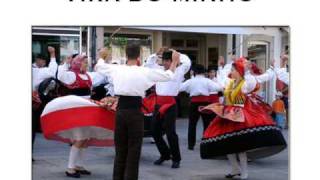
point(238, 133)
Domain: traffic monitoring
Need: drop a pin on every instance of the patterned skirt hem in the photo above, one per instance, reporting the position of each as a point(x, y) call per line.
point(258, 142)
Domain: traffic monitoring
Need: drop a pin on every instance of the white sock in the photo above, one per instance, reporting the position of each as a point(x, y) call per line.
point(244, 165)
point(73, 157)
point(80, 160)
point(234, 164)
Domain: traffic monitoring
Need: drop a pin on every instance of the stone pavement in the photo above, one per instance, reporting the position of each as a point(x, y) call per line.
point(51, 161)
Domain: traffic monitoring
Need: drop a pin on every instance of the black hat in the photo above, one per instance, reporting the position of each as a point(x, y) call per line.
point(74, 55)
point(211, 67)
point(41, 56)
point(167, 55)
point(199, 69)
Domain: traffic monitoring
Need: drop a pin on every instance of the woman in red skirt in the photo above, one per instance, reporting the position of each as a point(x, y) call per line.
point(77, 120)
point(242, 127)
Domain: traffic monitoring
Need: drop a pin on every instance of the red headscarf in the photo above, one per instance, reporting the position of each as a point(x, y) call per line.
point(255, 69)
point(76, 63)
point(239, 65)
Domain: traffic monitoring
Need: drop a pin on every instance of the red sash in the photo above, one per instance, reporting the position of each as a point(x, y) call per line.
point(282, 87)
point(36, 101)
point(213, 98)
point(198, 99)
point(148, 104)
point(165, 103)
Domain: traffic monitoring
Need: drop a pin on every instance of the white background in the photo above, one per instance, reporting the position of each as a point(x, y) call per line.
point(17, 16)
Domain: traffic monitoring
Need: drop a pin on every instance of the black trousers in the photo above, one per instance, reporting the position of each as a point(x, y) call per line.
point(36, 127)
point(194, 116)
point(128, 141)
point(166, 124)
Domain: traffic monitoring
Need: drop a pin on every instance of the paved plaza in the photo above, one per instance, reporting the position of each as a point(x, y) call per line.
point(51, 161)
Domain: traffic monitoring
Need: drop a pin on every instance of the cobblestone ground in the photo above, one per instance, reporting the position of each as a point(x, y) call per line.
point(51, 161)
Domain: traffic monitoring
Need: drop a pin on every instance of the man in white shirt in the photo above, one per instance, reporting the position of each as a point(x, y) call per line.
point(282, 73)
point(214, 96)
point(130, 83)
point(103, 55)
point(166, 109)
point(39, 74)
point(199, 89)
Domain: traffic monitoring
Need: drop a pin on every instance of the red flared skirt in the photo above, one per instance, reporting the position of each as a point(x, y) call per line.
point(242, 129)
point(72, 118)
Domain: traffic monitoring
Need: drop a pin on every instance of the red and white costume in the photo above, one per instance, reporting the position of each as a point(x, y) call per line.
point(242, 126)
point(75, 117)
point(241, 119)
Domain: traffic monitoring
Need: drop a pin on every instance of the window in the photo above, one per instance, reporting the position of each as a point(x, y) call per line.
point(192, 43)
point(287, 51)
point(258, 52)
point(64, 45)
point(177, 43)
point(213, 54)
point(119, 42)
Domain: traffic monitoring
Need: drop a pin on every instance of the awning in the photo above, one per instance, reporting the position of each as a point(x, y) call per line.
point(56, 30)
point(201, 29)
point(271, 31)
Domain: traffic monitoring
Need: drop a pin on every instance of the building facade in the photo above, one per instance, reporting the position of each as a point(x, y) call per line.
point(203, 45)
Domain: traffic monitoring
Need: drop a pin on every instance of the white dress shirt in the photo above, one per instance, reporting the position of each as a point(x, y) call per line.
point(40, 74)
point(133, 80)
point(214, 79)
point(200, 86)
point(109, 86)
point(170, 88)
point(99, 62)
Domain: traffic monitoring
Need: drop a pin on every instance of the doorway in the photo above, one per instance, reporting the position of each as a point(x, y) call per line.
point(258, 52)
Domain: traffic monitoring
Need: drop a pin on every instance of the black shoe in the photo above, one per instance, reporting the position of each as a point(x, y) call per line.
point(160, 161)
point(229, 176)
point(175, 164)
point(191, 148)
point(73, 175)
point(83, 172)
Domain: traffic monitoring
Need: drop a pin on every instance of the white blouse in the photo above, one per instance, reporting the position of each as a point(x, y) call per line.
point(222, 77)
point(68, 77)
point(282, 75)
point(267, 76)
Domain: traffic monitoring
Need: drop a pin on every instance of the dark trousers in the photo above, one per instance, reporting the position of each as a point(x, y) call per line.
point(194, 116)
point(166, 124)
point(286, 105)
point(179, 108)
point(34, 127)
point(36, 113)
point(128, 138)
